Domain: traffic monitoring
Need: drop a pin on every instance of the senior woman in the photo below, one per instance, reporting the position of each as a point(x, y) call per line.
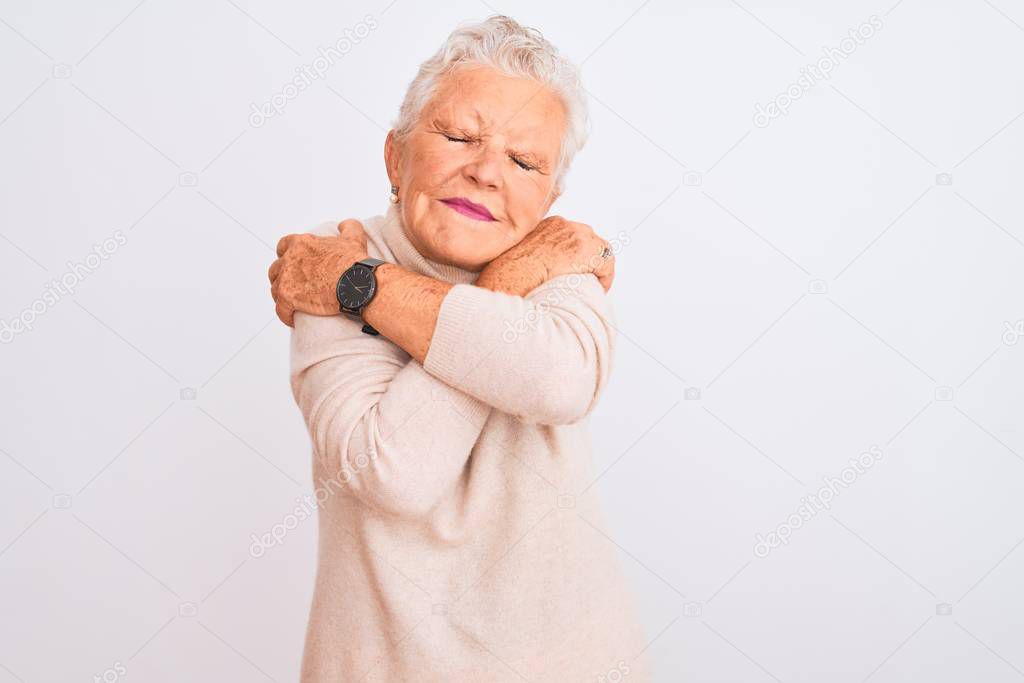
point(445, 357)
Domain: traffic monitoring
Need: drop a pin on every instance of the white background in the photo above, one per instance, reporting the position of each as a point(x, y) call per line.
point(812, 279)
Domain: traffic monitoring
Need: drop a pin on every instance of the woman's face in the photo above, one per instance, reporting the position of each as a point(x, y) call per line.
point(486, 137)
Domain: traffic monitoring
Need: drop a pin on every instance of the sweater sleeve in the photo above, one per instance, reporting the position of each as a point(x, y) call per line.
point(544, 358)
point(392, 434)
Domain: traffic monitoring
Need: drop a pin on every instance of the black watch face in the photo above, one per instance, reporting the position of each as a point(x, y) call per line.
point(356, 287)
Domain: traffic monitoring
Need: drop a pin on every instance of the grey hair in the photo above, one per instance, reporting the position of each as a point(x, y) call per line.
point(515, 50)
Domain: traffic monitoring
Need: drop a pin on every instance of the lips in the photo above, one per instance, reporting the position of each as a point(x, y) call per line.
point(468, 208)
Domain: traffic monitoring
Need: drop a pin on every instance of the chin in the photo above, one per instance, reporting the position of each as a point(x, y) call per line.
point(459, 243)
point(467, 259)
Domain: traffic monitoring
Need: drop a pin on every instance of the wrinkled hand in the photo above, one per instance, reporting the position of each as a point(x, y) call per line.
point(306, 272)
point(557, 246)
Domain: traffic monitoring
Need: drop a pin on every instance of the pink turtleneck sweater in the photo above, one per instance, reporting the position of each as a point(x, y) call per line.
point(459, 541)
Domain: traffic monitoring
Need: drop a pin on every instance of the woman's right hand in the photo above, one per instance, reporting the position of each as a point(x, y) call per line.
point(557, 246)
point(305, 275)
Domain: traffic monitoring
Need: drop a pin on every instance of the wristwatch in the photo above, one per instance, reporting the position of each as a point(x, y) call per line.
point(356, 288)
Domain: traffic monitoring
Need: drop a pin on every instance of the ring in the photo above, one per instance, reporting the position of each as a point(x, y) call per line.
point(606, 252)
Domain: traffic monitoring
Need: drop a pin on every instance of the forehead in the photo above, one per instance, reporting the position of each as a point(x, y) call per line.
point(486, 98)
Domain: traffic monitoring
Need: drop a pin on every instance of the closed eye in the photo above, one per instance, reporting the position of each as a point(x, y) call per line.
point(522, 164)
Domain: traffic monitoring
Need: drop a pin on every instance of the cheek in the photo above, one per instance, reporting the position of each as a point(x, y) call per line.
point(521, 222)
point(433, 169)
point(526, 209)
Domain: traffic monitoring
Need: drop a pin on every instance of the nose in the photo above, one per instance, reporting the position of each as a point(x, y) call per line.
point(485, 170)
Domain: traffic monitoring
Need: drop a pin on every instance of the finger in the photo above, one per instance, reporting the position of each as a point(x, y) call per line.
point(352, 229)
point(285, 313)
point(275, 270)
point(282, 244)
point(602, 263)
point(349, 224)
point(282, 304)
point(606, 279)
point(597, 245)
point(606, 273)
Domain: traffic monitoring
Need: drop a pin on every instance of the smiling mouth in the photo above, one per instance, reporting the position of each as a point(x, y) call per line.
point(468, 208)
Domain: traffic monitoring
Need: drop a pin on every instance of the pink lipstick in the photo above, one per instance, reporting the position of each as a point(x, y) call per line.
point(468, 208)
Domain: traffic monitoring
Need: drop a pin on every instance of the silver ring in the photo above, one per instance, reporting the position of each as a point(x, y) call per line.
point(606, 252)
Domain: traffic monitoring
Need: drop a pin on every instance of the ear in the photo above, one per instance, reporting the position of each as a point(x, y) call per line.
point(392, 157)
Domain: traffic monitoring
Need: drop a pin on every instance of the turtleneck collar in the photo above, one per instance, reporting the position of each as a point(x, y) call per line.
point(393, 233)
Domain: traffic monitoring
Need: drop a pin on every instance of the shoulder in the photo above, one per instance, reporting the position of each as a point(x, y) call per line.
point(580, 292)
point(325, 229)
point(371, 226)
point(580, 285)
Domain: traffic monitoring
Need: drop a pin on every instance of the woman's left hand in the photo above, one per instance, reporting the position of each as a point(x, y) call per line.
point(306, 272)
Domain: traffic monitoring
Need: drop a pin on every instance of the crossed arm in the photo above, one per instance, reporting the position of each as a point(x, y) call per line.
point(447, 356)
point(406, 306)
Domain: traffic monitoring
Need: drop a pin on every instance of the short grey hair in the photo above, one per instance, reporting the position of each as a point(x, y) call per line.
point(515, 50)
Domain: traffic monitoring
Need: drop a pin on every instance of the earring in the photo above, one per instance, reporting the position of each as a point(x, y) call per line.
point(394, 194)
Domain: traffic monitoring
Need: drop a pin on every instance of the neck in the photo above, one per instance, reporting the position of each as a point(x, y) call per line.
point(394, 233)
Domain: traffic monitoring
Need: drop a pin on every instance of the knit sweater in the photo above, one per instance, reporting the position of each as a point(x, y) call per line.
point(458, 538)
